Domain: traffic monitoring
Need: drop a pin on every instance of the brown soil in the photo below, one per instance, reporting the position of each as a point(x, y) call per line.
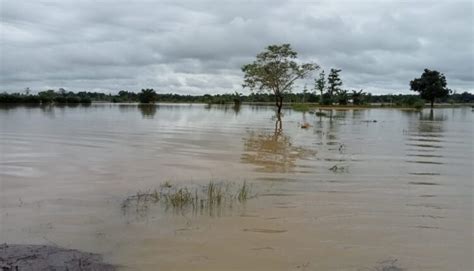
point(39, 258)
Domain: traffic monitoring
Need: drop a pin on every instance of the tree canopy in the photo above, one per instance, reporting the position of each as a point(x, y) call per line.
point(431, 85)
point(334, 81)
point(147, 96)
point(275, 70)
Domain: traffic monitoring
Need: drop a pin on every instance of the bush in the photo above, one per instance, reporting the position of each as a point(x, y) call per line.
point(411, 101)
point(60, 99)
point(73, 99)
point(300, 107)
point(419, 104)
point(327, 99)
point(85, 100)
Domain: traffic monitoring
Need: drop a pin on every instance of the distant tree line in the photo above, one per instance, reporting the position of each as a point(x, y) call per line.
point(60, 96)
point(149, 95)
point(271, 79)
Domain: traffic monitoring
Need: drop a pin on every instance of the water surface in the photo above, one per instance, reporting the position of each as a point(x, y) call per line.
point(400, 190)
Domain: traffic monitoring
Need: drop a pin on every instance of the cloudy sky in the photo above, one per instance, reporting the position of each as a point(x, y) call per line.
point(194, 47)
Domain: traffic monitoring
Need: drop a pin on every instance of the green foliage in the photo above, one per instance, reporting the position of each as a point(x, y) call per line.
point(334, 81)
point(410, 101)
point(431, 85)
point(147, 96)
point(45, 97)
point(275, 71)
point(300, 107)
point(320, 83)
point(359, 97)
point(330, 89)
point(342, 97)
point(327, 99)
point(213, 198)
point(244, 192)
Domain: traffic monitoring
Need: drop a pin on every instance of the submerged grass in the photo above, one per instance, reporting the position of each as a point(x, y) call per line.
point(244, 192)
point(211, 197)
point(320, 114)
point(179, 199)
point(300, 107)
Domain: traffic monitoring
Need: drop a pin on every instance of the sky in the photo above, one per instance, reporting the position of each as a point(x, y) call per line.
point(197, 47)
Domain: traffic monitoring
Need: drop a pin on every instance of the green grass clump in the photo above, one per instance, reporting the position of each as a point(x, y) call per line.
point(244, 192)
point(320, 114)
point(214, 193)
point(419, 105)
point(300, 107)
point(179, 199)
point(211, 197)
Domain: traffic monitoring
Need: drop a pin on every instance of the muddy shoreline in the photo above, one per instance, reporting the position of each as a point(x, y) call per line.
point(42, 257)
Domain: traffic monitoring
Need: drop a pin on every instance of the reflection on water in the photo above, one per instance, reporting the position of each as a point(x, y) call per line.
point(272, 151)
point(147, 110)
point(425, 139)
point(224, 107)
point(406, 195)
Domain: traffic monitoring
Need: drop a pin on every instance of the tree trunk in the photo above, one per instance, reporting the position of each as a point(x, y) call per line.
point(432, 102)
point(279, 104)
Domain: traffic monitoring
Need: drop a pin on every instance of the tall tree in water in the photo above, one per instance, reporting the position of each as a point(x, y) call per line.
point(431, 85)
point(320, 85)
point(275, 70)
point(334, 82)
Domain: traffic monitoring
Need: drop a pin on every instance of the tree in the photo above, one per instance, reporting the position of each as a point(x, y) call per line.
point(342, 97)
point(334, 82)
point(275, 70)
point(305, 93)
point(147, 96)
point(431, 85)
point(320, 84)
point(359, 97)
point(62, 91)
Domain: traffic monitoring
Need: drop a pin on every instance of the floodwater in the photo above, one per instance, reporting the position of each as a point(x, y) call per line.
point(359, 190)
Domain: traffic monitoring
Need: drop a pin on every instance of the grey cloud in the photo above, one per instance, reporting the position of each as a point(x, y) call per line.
point(197, 47)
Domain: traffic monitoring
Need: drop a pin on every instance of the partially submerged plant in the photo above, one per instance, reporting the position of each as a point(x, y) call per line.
point(388, 265)
point(214, 193)
point(338, 169)
point(320, 114)
point(244, 192)
point(211, 197)
point(179, 199)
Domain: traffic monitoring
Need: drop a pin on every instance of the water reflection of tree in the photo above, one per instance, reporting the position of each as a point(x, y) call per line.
point(148, 110)
point(236, 108)
point(432, 116)
point(423, 122)
point(425, 143)
point(224, 107)
point(326, 126)
point(273, 151)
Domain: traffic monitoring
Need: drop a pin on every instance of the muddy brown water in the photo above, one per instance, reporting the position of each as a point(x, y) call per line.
point(401, 194)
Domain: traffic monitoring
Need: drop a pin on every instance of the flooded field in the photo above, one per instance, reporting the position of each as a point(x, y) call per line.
point(356, 190)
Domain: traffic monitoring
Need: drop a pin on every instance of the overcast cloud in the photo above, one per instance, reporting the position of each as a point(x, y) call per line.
point(198, 47)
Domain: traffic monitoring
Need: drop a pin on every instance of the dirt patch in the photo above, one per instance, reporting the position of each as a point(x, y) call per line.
point(39, 257)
